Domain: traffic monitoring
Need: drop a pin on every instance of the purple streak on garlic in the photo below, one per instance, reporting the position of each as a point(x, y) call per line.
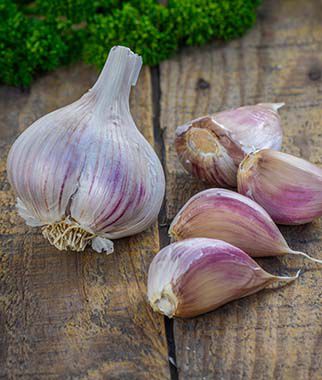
point(287, 187)
point(229, 216)
point(196, 276)
point(212, 147)
point(84, 172)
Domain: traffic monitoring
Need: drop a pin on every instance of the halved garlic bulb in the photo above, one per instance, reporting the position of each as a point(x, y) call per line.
point(287, 187)
point(84, 172)
point(226, 215)
point(212, 147)
point(195, 276)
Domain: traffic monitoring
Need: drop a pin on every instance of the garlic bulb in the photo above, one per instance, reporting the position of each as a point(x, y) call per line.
point(229, 216)
point(289, 188)
point(84, 172)
point(195, 276)
point(212, 147)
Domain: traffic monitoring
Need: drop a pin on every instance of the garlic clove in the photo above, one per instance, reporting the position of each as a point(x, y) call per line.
point(287, 187)
point(84, 171)
point(229, 216)
point(208, 152)
point(212, 147)
point(196, 276)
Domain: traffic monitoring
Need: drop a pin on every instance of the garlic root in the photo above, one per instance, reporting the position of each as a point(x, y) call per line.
point(69, 235)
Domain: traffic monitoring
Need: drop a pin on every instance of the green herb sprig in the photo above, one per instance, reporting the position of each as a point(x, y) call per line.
point(39, 36)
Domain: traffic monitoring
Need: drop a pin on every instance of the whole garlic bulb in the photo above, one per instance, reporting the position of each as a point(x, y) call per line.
point(84, 172)
point(211, 147)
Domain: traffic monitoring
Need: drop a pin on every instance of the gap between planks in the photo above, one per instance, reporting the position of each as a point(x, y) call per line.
point(162, 220)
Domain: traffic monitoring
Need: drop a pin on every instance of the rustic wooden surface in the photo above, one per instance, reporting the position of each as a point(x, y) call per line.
point(273, 334)
point(68, 315)
point(85, 316)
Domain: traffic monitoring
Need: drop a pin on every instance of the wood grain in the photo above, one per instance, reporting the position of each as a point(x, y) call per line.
point(273, 334)
point(73, 315)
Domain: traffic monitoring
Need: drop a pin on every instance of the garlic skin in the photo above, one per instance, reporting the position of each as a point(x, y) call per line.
point(84, 172)
point(196, 276)
point(226, 215)
point(257, 126)
point(212, 147)
point(287, 187)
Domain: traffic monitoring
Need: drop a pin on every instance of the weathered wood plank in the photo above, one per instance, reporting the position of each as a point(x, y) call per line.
point(274, 334)
point(68, 315)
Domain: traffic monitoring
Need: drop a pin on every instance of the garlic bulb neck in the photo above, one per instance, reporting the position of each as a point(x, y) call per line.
point(120, 72)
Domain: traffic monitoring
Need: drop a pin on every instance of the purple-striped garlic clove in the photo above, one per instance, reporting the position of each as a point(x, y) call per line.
point(226, 215)
point(84, 172)
point(212, 147)
point(287, 187)
point(199, 275)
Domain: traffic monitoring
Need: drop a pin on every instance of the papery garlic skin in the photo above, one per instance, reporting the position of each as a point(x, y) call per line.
point(208, 152)
point(84, 172)
point(212, 147)
point(287, 187)
point(196, 276)
point(253, 127)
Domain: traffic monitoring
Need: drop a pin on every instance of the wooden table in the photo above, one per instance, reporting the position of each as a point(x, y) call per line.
point(85, 315)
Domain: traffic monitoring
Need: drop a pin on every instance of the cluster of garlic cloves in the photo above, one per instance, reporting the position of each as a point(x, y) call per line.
point(212, 147)
point(199, 275)
point(84, 172)
point(217, 231)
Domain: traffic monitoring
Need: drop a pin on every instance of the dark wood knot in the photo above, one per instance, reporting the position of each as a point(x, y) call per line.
point(315, 73)
point(202, 84)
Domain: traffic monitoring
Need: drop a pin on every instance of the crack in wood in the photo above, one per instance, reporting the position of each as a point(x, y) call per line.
point(163, 222)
